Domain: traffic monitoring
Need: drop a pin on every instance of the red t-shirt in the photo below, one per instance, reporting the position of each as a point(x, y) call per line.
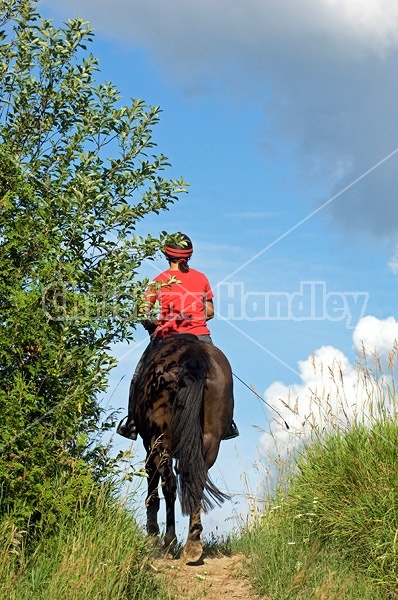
point(182, 304)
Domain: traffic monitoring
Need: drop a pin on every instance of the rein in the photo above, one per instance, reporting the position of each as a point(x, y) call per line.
point(262, 399)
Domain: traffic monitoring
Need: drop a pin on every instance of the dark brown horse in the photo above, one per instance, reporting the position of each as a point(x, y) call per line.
point(181, 400)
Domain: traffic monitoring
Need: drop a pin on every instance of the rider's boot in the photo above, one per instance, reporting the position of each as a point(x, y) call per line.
point(127, 429)
point(232, 432)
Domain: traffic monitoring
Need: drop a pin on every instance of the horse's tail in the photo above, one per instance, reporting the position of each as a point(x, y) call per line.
point(195, 487)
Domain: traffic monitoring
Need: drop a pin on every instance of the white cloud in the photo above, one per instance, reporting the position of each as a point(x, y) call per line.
point(332, 392)
point(376, 336)
point(366, 20)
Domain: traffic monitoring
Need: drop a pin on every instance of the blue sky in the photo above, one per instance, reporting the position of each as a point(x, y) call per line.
point(283, 119)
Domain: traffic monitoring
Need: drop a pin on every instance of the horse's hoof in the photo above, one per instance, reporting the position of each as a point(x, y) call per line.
point(192, 552)
point(152, 539)
point(169, 548)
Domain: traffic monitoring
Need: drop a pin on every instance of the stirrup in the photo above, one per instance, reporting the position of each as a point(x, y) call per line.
point(127, 429)
point(232, 432)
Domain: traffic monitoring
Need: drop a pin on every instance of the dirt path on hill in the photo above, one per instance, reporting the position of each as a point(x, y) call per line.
point(213, 578)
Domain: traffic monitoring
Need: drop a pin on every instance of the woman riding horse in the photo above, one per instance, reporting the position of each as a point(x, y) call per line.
point(186, 304)
point(181, 399)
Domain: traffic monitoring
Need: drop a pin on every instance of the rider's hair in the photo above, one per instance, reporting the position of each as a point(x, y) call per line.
point(179, 250)
point(183, 265)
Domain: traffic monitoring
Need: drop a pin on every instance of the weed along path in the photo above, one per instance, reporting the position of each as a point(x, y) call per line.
point(214, 577)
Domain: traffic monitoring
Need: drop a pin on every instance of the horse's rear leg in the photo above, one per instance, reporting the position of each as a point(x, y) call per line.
point(193, 547)
point(169, 488)
point(152, 502)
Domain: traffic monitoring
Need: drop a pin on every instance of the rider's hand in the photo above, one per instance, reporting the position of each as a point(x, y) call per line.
point(150, 325)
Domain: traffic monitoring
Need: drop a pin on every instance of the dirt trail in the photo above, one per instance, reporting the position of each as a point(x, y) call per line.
point(213, 578)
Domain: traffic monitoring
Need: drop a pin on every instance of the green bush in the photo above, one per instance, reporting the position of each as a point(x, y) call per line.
point(77, 173)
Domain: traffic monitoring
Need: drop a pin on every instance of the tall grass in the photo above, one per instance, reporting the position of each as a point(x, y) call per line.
point(99, 554)
point(331, 529)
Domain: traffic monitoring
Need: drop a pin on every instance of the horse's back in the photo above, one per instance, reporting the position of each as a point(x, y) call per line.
point(176, 363)
point(156, 383)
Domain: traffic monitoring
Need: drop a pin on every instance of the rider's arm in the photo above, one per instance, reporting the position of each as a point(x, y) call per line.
point(209, 309)
point(151, 323)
